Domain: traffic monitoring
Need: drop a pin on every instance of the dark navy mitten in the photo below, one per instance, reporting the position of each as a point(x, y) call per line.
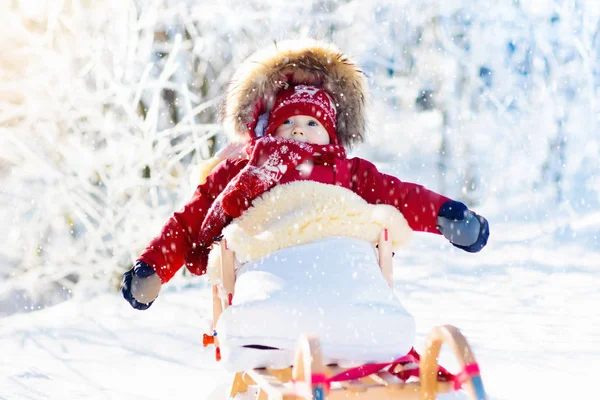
point(140, 286)
point(462, 227)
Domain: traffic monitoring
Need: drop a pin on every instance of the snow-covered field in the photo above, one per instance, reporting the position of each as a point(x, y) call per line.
point(86, 178)
point(527, 304)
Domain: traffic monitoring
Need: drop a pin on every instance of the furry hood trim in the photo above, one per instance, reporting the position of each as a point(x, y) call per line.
point(254, 85)
point(305, 211)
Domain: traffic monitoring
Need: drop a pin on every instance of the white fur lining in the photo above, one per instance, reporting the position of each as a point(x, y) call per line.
point(305, 211)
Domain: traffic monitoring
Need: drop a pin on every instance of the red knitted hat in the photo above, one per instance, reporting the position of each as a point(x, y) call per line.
point(304, 100)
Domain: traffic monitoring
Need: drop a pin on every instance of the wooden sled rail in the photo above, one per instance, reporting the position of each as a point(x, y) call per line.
point(306, 379)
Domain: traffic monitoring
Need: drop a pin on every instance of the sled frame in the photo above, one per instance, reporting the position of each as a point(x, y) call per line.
point(298, 381)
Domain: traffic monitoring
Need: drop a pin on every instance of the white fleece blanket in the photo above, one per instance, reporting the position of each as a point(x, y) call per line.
point(303, 212)
point(332, 288)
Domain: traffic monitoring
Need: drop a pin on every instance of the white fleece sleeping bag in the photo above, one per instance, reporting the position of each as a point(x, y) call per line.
point(331, 288)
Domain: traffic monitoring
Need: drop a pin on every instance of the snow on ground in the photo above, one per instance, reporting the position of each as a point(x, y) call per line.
point(527, 304)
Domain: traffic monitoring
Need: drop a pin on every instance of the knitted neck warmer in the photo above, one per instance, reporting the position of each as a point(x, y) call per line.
point(324, 154)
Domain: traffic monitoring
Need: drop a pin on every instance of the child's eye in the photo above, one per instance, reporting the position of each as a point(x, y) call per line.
point(287, 122)
point(313, 123)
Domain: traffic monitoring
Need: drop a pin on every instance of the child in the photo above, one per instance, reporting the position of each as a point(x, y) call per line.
point(300, 107)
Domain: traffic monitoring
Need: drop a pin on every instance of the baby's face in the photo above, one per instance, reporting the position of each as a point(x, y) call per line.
point(303, 128)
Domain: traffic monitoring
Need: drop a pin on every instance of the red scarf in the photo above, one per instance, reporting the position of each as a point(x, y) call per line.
point(270, 159)
point(323, 154)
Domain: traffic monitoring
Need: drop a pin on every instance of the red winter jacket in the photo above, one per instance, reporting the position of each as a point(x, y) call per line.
point(178, 242)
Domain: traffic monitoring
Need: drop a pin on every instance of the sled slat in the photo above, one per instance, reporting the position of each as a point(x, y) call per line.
point(247, 379)
point(239, 385)
point(284, 375)
point(388, 379)
point(272, 386)
point(398, 390)
point(371, 380)
point(380, 392)
point(352, 385)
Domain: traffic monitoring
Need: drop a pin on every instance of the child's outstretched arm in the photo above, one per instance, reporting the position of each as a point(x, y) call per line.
point(177, 244)
point(424, 210)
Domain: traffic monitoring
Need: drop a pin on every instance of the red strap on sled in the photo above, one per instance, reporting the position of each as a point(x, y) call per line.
point(411, 358)
point(368, 369)
point(320, 379)
point(466, 373)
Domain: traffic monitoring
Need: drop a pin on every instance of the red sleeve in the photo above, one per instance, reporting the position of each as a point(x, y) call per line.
point(419, 205)
point(176, 244)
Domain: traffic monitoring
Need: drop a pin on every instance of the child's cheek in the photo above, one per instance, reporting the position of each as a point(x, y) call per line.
point(282, 133)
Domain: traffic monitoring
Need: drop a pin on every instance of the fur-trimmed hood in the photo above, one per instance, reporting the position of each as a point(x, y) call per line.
point(253, 88)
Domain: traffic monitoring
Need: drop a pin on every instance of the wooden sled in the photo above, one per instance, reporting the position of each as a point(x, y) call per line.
point(310, 378)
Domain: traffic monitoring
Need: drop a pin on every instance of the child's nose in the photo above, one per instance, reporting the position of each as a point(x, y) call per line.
point(297, 131)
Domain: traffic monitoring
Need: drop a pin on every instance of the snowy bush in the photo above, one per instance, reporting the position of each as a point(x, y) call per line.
point(107, 106)
point(94, 151)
